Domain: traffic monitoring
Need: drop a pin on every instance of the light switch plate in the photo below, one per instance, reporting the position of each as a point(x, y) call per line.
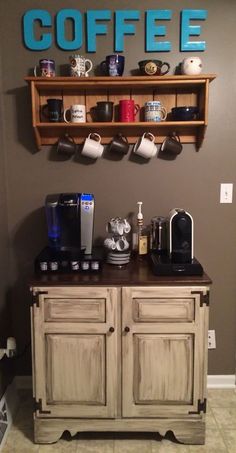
point(226, 193)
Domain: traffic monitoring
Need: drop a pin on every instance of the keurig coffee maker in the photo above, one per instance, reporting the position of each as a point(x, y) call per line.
point(179, 257)
point(70, 221)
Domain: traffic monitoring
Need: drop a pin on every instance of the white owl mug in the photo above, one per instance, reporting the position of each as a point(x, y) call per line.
point(191, 66)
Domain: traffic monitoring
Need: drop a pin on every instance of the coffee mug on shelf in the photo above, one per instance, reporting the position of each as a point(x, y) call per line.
point(153, 67)
point(171, 145)
point(80, 66)
point(119, 144)
point(103, 111)
point(154, 111)
point(185, 113)
point(53, 110)
point(46, 68)
point(92, 146)
point(66, 146)
point(145, 146)
point(128, 110)
point(113, 65)
point(76, 113)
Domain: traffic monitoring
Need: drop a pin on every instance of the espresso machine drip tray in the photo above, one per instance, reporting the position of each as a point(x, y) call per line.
point(162, 265)
point(53, 260)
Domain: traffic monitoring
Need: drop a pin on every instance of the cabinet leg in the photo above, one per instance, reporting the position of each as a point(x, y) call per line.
point(46, 434)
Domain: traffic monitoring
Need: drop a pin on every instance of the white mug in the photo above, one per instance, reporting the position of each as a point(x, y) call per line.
point(92, 146)
point(145, 146)
point(77, 114)
point(80, 66)
point(122, 244)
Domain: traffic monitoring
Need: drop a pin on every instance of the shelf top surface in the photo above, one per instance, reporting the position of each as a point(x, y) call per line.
point(121, 79)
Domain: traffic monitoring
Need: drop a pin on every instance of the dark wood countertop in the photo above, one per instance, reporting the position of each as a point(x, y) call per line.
point(137, 272)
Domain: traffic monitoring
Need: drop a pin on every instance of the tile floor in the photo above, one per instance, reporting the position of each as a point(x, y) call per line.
point(220, 433)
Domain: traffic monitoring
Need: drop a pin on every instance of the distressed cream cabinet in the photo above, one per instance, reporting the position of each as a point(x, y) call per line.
point(120, 358)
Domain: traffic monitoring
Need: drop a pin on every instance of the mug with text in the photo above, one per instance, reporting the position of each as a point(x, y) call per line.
point(76, 112)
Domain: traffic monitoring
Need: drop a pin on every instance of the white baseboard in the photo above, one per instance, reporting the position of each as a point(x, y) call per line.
point(221, 381)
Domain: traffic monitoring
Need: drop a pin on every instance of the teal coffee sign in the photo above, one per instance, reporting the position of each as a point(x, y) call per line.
point(87, 27)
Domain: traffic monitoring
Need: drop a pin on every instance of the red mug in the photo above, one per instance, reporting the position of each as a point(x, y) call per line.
point(128, 110)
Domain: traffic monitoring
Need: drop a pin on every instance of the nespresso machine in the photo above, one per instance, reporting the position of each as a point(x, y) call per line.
point(178, 257)
point(70, 222)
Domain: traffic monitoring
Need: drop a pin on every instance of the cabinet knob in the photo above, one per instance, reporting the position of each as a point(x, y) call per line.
point(127, 329)
point(112, 329)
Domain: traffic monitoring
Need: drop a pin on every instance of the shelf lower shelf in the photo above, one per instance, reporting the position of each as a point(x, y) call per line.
point(188, 131)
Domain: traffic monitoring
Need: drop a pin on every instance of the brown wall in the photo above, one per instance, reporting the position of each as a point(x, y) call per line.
point(192, 181)
point(4, 262)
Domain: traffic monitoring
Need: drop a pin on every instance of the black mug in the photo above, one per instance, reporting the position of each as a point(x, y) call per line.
point(113, 65)
point(171, 145)
point(104, 111)
point(53, 110)
point(119, 144)
point(66, 146)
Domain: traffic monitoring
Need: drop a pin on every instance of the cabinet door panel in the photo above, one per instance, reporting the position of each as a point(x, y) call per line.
point(163, 369)
point(164, 333)
point(75, 363)
point(79, 359)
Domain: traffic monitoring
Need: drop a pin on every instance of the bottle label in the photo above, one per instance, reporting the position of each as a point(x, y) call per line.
point(143, 245)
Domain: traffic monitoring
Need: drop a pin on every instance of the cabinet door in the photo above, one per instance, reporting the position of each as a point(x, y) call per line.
point(75, 352)
point(164, 333)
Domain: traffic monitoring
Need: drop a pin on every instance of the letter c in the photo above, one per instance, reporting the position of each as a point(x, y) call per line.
point(30, 41)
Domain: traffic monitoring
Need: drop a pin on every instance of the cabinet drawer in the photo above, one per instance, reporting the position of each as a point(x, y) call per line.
point(163, 310)
point(74, 310)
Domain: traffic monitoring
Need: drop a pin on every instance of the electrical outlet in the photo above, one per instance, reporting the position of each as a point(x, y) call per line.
point(211, 339)
point(226, 193)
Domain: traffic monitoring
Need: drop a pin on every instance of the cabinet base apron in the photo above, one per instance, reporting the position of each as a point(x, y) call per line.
point(47, 431)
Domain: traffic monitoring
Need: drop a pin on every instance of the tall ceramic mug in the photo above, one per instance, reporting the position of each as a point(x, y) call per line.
point(128, 110)
point(145, 146)
point(154, 111)
point(92, 146)
point(46, 68)
point(113, 65)
point(80, 66)
point(76, 113)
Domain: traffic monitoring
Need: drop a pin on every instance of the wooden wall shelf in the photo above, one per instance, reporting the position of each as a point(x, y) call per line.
point(172, 91)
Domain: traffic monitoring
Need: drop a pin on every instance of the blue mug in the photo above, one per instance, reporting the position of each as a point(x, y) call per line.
point(113, 65)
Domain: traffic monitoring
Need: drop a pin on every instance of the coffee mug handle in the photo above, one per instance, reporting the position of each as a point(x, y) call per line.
point(123, 137)
point(70, 138)
point(136, 109)
point(103, 66)
point(97, 136)
point(175, 136)
point(167, 70)
point(45, 110)
point(64, 115)
point(164, 113)
point(90, 66)
point(149, 135)
point(35, 71)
